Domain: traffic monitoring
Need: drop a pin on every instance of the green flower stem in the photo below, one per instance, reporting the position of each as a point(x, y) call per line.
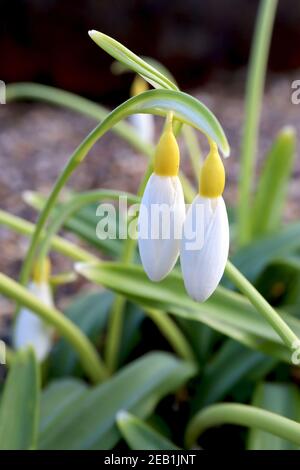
point(262, 306)
point(59, 244)
point(254, 96)
point(172, 333)
point(75, 204)
point(88, 355)
point(242, 415)
point(33, 91)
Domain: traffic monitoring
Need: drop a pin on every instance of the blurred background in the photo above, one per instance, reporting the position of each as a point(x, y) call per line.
point(205, 45)
point(46, 40)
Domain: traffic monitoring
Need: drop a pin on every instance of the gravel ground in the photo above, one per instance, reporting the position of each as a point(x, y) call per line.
point(36, 141)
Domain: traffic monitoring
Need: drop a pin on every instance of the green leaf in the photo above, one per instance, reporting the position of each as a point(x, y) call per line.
point(139, 435)
point(89, 313)
point(20, 404)
point(225, 311)
point(133, 317)
point(56, 398)
point(270, 194)
point(229, 367)
point(283, 399)
point(88, 421)
point(253, 259)
point(132, 61)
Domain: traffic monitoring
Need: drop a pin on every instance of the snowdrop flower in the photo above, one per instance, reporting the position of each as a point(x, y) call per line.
point(162, 210)
point(29, 329)
point(205, 242)
point(143, 123)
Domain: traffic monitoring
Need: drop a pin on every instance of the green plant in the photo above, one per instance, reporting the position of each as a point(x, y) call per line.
point(100, 383)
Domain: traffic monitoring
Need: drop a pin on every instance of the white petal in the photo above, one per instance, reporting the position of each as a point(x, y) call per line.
point(144, 125)
point(159, 251)
point(30, 330)
point(203, 268)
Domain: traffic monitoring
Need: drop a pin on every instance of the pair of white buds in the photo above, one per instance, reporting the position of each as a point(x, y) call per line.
point(203, 267)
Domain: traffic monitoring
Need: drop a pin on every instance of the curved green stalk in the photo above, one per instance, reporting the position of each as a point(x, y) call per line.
point(172, 333)
point(185, 108)
point(33, 91)
point(254, 95)
point(261, 305)
point(65, 247)
point(90, 360)
point(242, 415)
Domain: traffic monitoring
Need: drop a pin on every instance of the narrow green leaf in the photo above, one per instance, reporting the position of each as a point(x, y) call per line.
point(283, 399)
point(225, 311)
point(133, 317)
point(132, 61)
point(140, 436)
point(253, 259)
point(88, 421)
point(271, 190)
point(229, 367)
point(57, 397)
point(20, 404)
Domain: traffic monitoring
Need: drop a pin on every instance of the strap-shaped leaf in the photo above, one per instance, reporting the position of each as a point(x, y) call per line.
point(19, 407)
point(132, 61)
point(253, 259)
point(270, 193)
point(140, 436)
point(87, 421)
point(280, 398)
point(225, 311)
point(230, 366)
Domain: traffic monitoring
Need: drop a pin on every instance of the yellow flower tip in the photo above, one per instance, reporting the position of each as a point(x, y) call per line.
point(212, 175)
point(167, 155)
point(139, 85)
point(42, 271)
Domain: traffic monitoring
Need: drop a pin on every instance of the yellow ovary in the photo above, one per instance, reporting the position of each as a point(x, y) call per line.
point(42, 271)
point(167, 155)
point(212, 174)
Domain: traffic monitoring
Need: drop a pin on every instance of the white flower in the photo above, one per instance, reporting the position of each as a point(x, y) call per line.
point(204, 266)
point(160, 224)
point(144, 125)
point(29, 329)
